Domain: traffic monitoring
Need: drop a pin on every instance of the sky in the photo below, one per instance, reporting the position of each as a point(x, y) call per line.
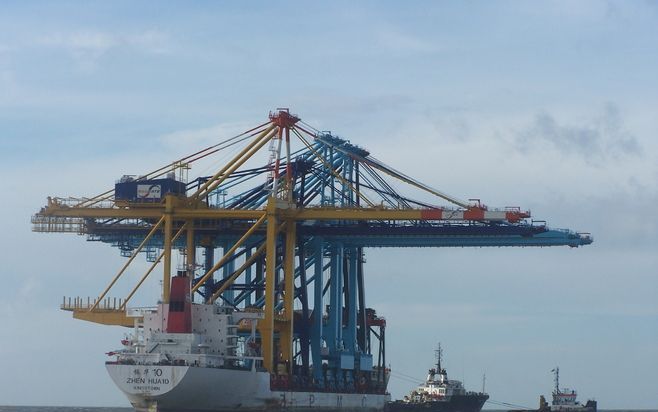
point(550, 106)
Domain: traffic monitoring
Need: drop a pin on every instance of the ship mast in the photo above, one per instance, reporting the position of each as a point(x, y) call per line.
point(557, 379)
point(439, 355)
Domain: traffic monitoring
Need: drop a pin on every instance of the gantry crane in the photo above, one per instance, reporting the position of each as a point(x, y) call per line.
point(291, 230)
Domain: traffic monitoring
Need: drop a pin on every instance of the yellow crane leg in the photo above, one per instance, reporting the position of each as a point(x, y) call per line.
point(267, 325)
point(286, 332)
point(190, 254)
point(190, 251)
point(168, 225)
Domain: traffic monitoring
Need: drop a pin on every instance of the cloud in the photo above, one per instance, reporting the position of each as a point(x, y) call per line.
point(344, 104)
point(202, 137)
point(602, 138)
point(28, 288)
point(151, 41)
point(10, 91)
point(87, 47)
point(395, 40)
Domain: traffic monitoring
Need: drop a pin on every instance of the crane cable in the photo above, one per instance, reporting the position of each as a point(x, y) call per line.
point(378, 164)
point(331, 169)
point(500, 403)
point(188, 159)
point(409, 378)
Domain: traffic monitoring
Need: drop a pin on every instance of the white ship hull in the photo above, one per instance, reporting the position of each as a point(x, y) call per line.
point(201, 389)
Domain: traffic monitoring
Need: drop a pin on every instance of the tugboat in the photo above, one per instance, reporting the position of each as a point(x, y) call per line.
point(439, 394)
point(564, 400)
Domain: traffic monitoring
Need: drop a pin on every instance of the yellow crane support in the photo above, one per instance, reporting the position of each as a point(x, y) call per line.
point(148, 272)
point(125, 266)
point(286, 332)
point(229, 253)
point(237, 161)
point(267, 325)
point(259, 251)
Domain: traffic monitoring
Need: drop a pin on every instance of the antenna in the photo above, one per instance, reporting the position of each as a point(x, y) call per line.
point(557, 379)
point(484, 380)
point(439, 355)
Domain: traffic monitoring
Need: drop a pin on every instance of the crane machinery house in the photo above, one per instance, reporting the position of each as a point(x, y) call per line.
point(132, 189)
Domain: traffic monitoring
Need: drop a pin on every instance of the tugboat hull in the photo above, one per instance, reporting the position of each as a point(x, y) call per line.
point(457, 403)
point(590, 406)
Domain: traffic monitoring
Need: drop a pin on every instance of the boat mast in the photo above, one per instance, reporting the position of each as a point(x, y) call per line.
point(557, 379)
point(439, 354)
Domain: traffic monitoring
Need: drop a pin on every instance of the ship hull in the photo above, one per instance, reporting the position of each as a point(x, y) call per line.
point(590, 406)
point(457, 403)
point(163, 388)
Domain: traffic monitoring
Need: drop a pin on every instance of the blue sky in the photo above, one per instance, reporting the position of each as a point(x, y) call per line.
point(546, 105)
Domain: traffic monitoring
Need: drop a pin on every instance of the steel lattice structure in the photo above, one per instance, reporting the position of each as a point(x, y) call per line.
point(284, 237)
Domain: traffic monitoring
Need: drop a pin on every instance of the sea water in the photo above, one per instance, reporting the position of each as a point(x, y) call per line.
point(99, 409)
point(61, 409)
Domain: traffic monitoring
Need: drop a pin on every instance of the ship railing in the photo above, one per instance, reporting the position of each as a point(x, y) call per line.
point(140, 358)
point(58, 224)
point(79, 303)
point(186, 359)
point(79, 201)
point(255, 358)
point(108, 304)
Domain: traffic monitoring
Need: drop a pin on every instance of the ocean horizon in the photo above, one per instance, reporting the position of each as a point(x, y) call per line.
point(27, 408)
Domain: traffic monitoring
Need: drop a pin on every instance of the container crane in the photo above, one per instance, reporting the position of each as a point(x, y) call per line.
point(291, 232)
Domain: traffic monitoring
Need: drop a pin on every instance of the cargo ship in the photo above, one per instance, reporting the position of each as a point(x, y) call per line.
point(439, 394)
point(185, 356)
point(564, 400)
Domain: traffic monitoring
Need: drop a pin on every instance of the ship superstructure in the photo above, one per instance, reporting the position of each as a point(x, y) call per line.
point(276, 233)
point(564, 399)
point(205, 357)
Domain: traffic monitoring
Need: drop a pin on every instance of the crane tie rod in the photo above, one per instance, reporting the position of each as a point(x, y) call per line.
point(188, 159)
point(331, 169)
